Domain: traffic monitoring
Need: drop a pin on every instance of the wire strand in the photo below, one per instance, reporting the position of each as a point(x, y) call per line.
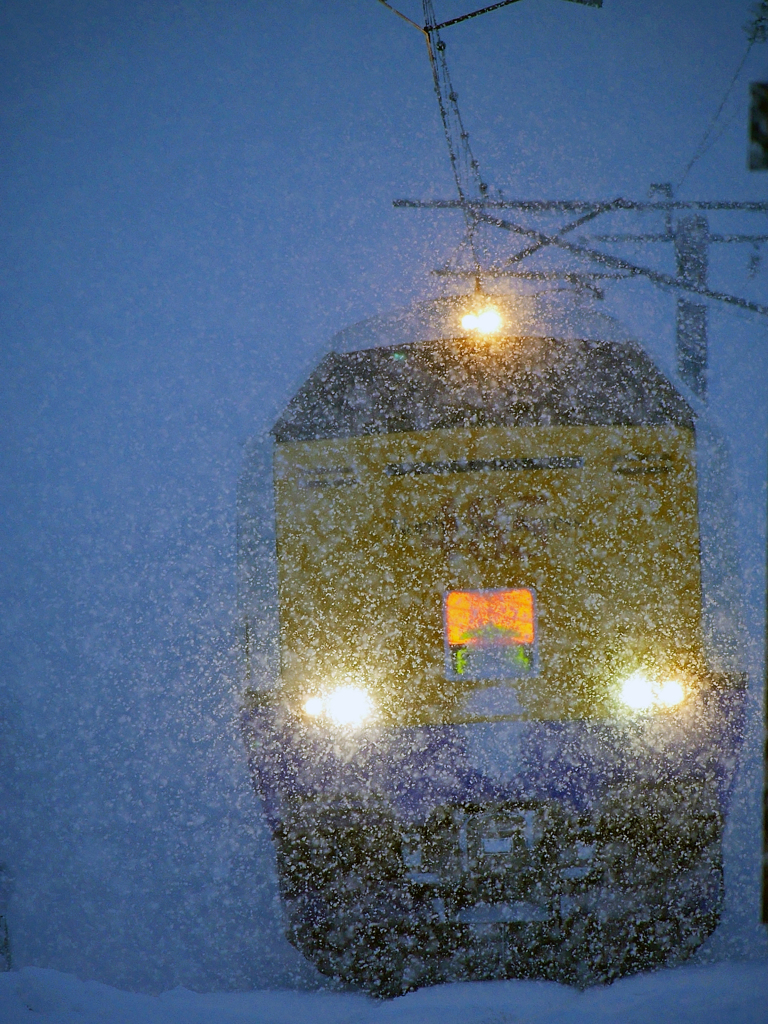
point(401, 15)
point(702, 147)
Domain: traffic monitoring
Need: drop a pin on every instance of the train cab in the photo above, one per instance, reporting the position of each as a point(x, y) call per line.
point(493, 694)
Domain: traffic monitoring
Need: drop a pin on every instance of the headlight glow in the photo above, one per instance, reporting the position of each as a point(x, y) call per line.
point(346, 706)
point(486, 322)
point(349, 705)
point(639, 693)
point(314, 706)
point(670, 693)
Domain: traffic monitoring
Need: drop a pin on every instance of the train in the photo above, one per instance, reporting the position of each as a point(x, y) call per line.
point(493, 693)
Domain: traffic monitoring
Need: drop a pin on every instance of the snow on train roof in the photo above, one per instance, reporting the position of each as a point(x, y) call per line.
point(525, 379)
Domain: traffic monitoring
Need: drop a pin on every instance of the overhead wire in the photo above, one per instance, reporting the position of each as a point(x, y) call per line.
point(705, 143)
point(473, 197)
point(466, 170)
point(617, 263)
point(757, 32)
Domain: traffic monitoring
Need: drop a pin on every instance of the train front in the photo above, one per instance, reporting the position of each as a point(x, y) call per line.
point(499, 744)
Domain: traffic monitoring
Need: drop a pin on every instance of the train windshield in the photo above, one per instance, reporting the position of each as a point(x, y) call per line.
point(490, 634)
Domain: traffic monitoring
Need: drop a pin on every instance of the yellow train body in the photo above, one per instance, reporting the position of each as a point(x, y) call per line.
point(503, 729)
point(598, 523)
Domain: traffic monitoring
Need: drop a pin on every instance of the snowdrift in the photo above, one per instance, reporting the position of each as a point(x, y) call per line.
point(714, 994)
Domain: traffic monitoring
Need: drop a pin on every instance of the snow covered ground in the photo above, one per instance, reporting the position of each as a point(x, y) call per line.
point(713, 994)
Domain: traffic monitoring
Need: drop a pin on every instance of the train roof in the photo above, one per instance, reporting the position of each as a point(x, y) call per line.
point(520, 381)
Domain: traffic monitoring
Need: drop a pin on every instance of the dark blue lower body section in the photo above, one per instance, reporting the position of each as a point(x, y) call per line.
point(417, 769)
point(574, 851)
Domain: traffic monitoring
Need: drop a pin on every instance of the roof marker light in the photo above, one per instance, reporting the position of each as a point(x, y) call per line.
point(486, 322)
point(489, 322)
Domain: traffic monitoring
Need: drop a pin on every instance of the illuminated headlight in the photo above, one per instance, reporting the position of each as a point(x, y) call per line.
point(487, 322)
point(346, 706)
point(639, 693)
point(314, 706)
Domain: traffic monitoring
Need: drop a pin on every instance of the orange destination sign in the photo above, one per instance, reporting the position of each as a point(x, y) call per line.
point(489, 617)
